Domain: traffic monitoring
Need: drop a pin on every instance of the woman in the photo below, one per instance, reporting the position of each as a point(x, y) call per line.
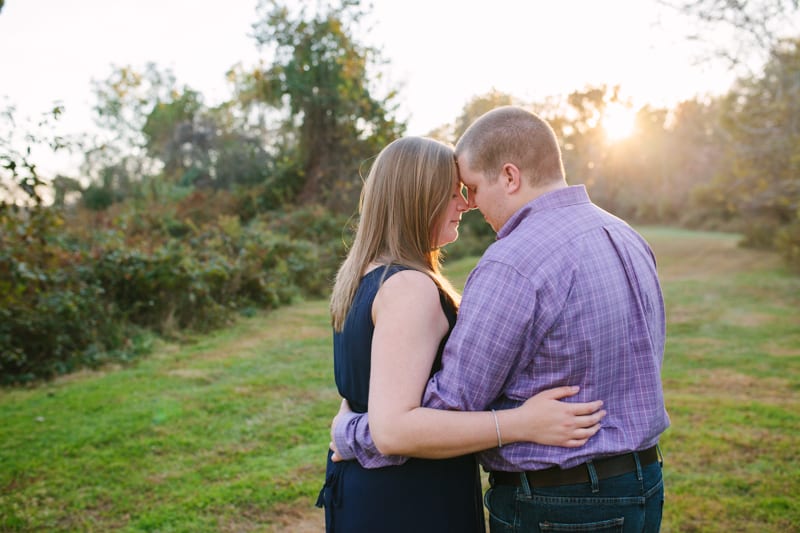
point(392, 311)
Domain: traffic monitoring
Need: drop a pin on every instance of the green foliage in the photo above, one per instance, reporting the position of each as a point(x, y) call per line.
point(97, 197)
point(320, 73)
point(330, 232)
point(79, 288)
point(20, 184)
point(127, 97)
point(787, 242)
point(188, 266)
point(242, 162)
point(52, 316)
point(760, 181)
point(177, 134)
point(282, 181)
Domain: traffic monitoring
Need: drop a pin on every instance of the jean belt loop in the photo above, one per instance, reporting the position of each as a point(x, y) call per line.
point(593, 476)
point(638, 462)
point(526, 487)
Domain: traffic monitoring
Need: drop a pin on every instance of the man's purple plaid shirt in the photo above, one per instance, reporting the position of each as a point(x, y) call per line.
point(567, 295)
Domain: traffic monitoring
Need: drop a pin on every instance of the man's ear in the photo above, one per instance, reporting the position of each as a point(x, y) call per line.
point(512, 178)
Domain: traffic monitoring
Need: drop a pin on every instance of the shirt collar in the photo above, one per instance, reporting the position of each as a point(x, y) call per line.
point(570, 195)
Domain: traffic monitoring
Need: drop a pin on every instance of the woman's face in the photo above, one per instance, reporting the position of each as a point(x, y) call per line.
point(447, 228)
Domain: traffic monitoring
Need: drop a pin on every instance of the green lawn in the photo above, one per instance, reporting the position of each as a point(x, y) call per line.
point(229, 433)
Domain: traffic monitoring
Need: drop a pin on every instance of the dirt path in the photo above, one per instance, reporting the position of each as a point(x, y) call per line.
point(298, 519)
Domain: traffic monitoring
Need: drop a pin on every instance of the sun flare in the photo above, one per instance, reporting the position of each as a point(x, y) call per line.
point(619, 122)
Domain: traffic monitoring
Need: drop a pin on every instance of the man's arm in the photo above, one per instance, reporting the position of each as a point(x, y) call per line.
point(351, 439)
point(488, 343)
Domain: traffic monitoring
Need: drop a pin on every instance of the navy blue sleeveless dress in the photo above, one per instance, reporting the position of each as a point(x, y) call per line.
point(422, 495)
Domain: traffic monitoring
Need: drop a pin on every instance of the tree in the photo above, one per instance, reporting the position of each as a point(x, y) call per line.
point(637, 176)
point(750, 29)
point(694, 156)
point(124, 101)
point(20, 182)
point(578, 126)
point(761, 179)
point(63, 186)
point(126, 98)
point(179, 135)
point(320, 76)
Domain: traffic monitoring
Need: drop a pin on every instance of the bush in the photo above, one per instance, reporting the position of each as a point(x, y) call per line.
point(89, 290)
point(52, 315)
point(331, 232)
point(787, 242)
point(195, 283)
point(165, 290)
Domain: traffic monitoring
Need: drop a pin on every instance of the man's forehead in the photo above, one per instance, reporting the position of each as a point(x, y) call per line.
point(466, 176)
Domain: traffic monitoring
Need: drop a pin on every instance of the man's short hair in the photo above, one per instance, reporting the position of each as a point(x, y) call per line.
point(510, 134)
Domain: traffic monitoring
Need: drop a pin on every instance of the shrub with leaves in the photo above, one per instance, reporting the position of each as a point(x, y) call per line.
point(52, 314)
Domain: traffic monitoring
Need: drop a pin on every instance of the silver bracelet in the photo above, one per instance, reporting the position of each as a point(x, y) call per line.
point(497, 427)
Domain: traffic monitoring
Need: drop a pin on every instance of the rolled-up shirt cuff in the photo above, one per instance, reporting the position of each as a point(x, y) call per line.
point(343, 447)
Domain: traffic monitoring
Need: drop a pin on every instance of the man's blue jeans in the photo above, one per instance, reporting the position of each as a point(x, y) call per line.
point(626, 503)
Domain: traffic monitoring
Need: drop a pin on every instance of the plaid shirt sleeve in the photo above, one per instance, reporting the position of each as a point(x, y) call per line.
point(353, 441)
point(488, 343)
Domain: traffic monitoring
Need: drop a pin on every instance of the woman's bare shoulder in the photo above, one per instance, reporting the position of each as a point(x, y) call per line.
point(409, 291)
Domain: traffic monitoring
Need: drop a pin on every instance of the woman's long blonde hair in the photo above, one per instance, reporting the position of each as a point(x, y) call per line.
point(403, 202)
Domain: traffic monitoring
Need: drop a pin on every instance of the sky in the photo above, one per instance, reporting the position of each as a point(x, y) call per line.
point(439, 53)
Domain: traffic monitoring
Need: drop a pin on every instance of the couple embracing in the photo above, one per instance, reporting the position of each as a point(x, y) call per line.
point(549, 378)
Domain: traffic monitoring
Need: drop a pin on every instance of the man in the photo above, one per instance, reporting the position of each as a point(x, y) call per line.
point(567, 295)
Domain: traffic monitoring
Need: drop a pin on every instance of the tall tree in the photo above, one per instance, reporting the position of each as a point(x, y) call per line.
point(320, 74)
point(744, 32)
point(126, 98)
point(123, 103)
point(761, 120)
point(180, 134)
point(20, 182)
point(584, 141)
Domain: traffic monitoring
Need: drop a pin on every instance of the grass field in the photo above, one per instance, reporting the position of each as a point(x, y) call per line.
point(229, 432)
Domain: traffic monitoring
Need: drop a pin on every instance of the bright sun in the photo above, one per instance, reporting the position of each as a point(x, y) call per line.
point(618, 122)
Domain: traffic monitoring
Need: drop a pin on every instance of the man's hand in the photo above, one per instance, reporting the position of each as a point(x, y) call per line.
point(344, 408)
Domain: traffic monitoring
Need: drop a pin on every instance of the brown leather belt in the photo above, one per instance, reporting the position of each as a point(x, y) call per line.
point(555, 476)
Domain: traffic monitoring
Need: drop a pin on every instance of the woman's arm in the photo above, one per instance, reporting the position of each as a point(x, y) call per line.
point(409, 325)
point(542, 419)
